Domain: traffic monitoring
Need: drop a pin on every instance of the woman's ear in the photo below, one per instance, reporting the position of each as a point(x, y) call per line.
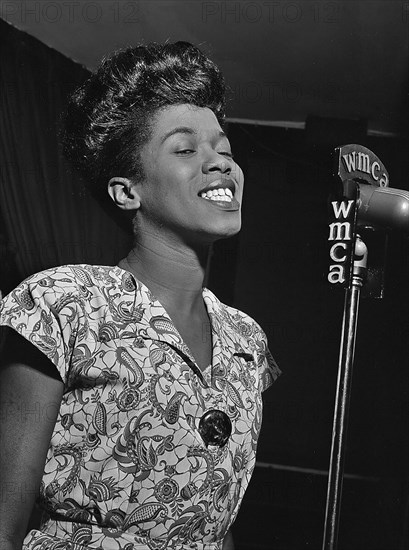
point(124, 194)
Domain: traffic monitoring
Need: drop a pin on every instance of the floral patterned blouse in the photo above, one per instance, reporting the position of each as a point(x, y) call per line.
point(127, 468)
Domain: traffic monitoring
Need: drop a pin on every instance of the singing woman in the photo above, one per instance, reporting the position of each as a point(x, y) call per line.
point(131, 396)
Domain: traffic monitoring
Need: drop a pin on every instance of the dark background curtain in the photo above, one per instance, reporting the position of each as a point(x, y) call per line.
point(275, 270)
point(48, 218)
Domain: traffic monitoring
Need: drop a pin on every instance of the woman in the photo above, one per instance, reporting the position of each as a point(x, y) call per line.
point(132, 395)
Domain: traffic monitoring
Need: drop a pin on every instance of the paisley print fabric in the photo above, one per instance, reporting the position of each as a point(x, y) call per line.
point(127, 467)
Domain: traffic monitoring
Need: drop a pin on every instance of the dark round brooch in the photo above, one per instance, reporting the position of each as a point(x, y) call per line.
point(215, 428)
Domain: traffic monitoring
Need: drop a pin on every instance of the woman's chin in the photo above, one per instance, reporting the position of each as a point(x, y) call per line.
point(219, 233)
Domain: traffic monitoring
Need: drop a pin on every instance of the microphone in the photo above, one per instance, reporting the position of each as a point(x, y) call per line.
point(379, 205)
point(383, 207)
point(366, 202)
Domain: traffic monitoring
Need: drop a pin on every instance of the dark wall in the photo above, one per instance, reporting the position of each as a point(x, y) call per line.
point(276, 271)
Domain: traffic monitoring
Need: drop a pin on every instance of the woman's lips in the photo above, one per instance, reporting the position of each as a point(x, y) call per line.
point(223, 205)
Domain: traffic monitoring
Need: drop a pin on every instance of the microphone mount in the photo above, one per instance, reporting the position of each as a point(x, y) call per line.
point(367, 206)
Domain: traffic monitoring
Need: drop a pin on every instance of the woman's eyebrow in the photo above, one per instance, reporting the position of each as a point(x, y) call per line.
point(178, 130)
point(187, 130)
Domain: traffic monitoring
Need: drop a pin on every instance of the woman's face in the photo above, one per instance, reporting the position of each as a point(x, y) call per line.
point(187, 164)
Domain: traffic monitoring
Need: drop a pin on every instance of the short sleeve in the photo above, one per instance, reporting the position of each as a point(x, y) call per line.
point(268, 369)
point(45, 309)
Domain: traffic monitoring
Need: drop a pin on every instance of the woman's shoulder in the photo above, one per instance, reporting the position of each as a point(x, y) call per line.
point(61, 282)
point(71, 276)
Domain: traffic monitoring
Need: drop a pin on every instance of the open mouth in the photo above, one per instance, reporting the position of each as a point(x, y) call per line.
point(221, 194)
point(220, 191)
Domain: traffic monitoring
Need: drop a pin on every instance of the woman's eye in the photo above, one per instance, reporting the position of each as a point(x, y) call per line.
point(226, 154)
point(185, 151)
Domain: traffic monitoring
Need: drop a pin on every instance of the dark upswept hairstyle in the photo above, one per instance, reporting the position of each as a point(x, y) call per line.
point(109, 117)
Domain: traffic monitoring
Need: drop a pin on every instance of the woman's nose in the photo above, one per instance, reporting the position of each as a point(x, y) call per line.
point(216, 162)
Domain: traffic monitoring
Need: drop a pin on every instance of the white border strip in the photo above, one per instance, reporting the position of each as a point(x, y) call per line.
point(276, 123)
point(268, 465)
point(298, 126)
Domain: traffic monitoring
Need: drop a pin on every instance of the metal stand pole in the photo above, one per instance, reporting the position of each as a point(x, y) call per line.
point(340, 424)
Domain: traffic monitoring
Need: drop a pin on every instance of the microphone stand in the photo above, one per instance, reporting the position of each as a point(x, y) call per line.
point(340, 423)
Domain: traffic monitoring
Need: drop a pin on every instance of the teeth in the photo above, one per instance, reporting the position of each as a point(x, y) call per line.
point(220, 198)
point(221, 194)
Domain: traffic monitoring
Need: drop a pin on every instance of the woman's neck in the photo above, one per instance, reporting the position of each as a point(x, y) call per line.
point(174, 274)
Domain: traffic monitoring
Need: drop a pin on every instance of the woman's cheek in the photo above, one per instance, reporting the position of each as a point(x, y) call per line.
point(238, 176)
